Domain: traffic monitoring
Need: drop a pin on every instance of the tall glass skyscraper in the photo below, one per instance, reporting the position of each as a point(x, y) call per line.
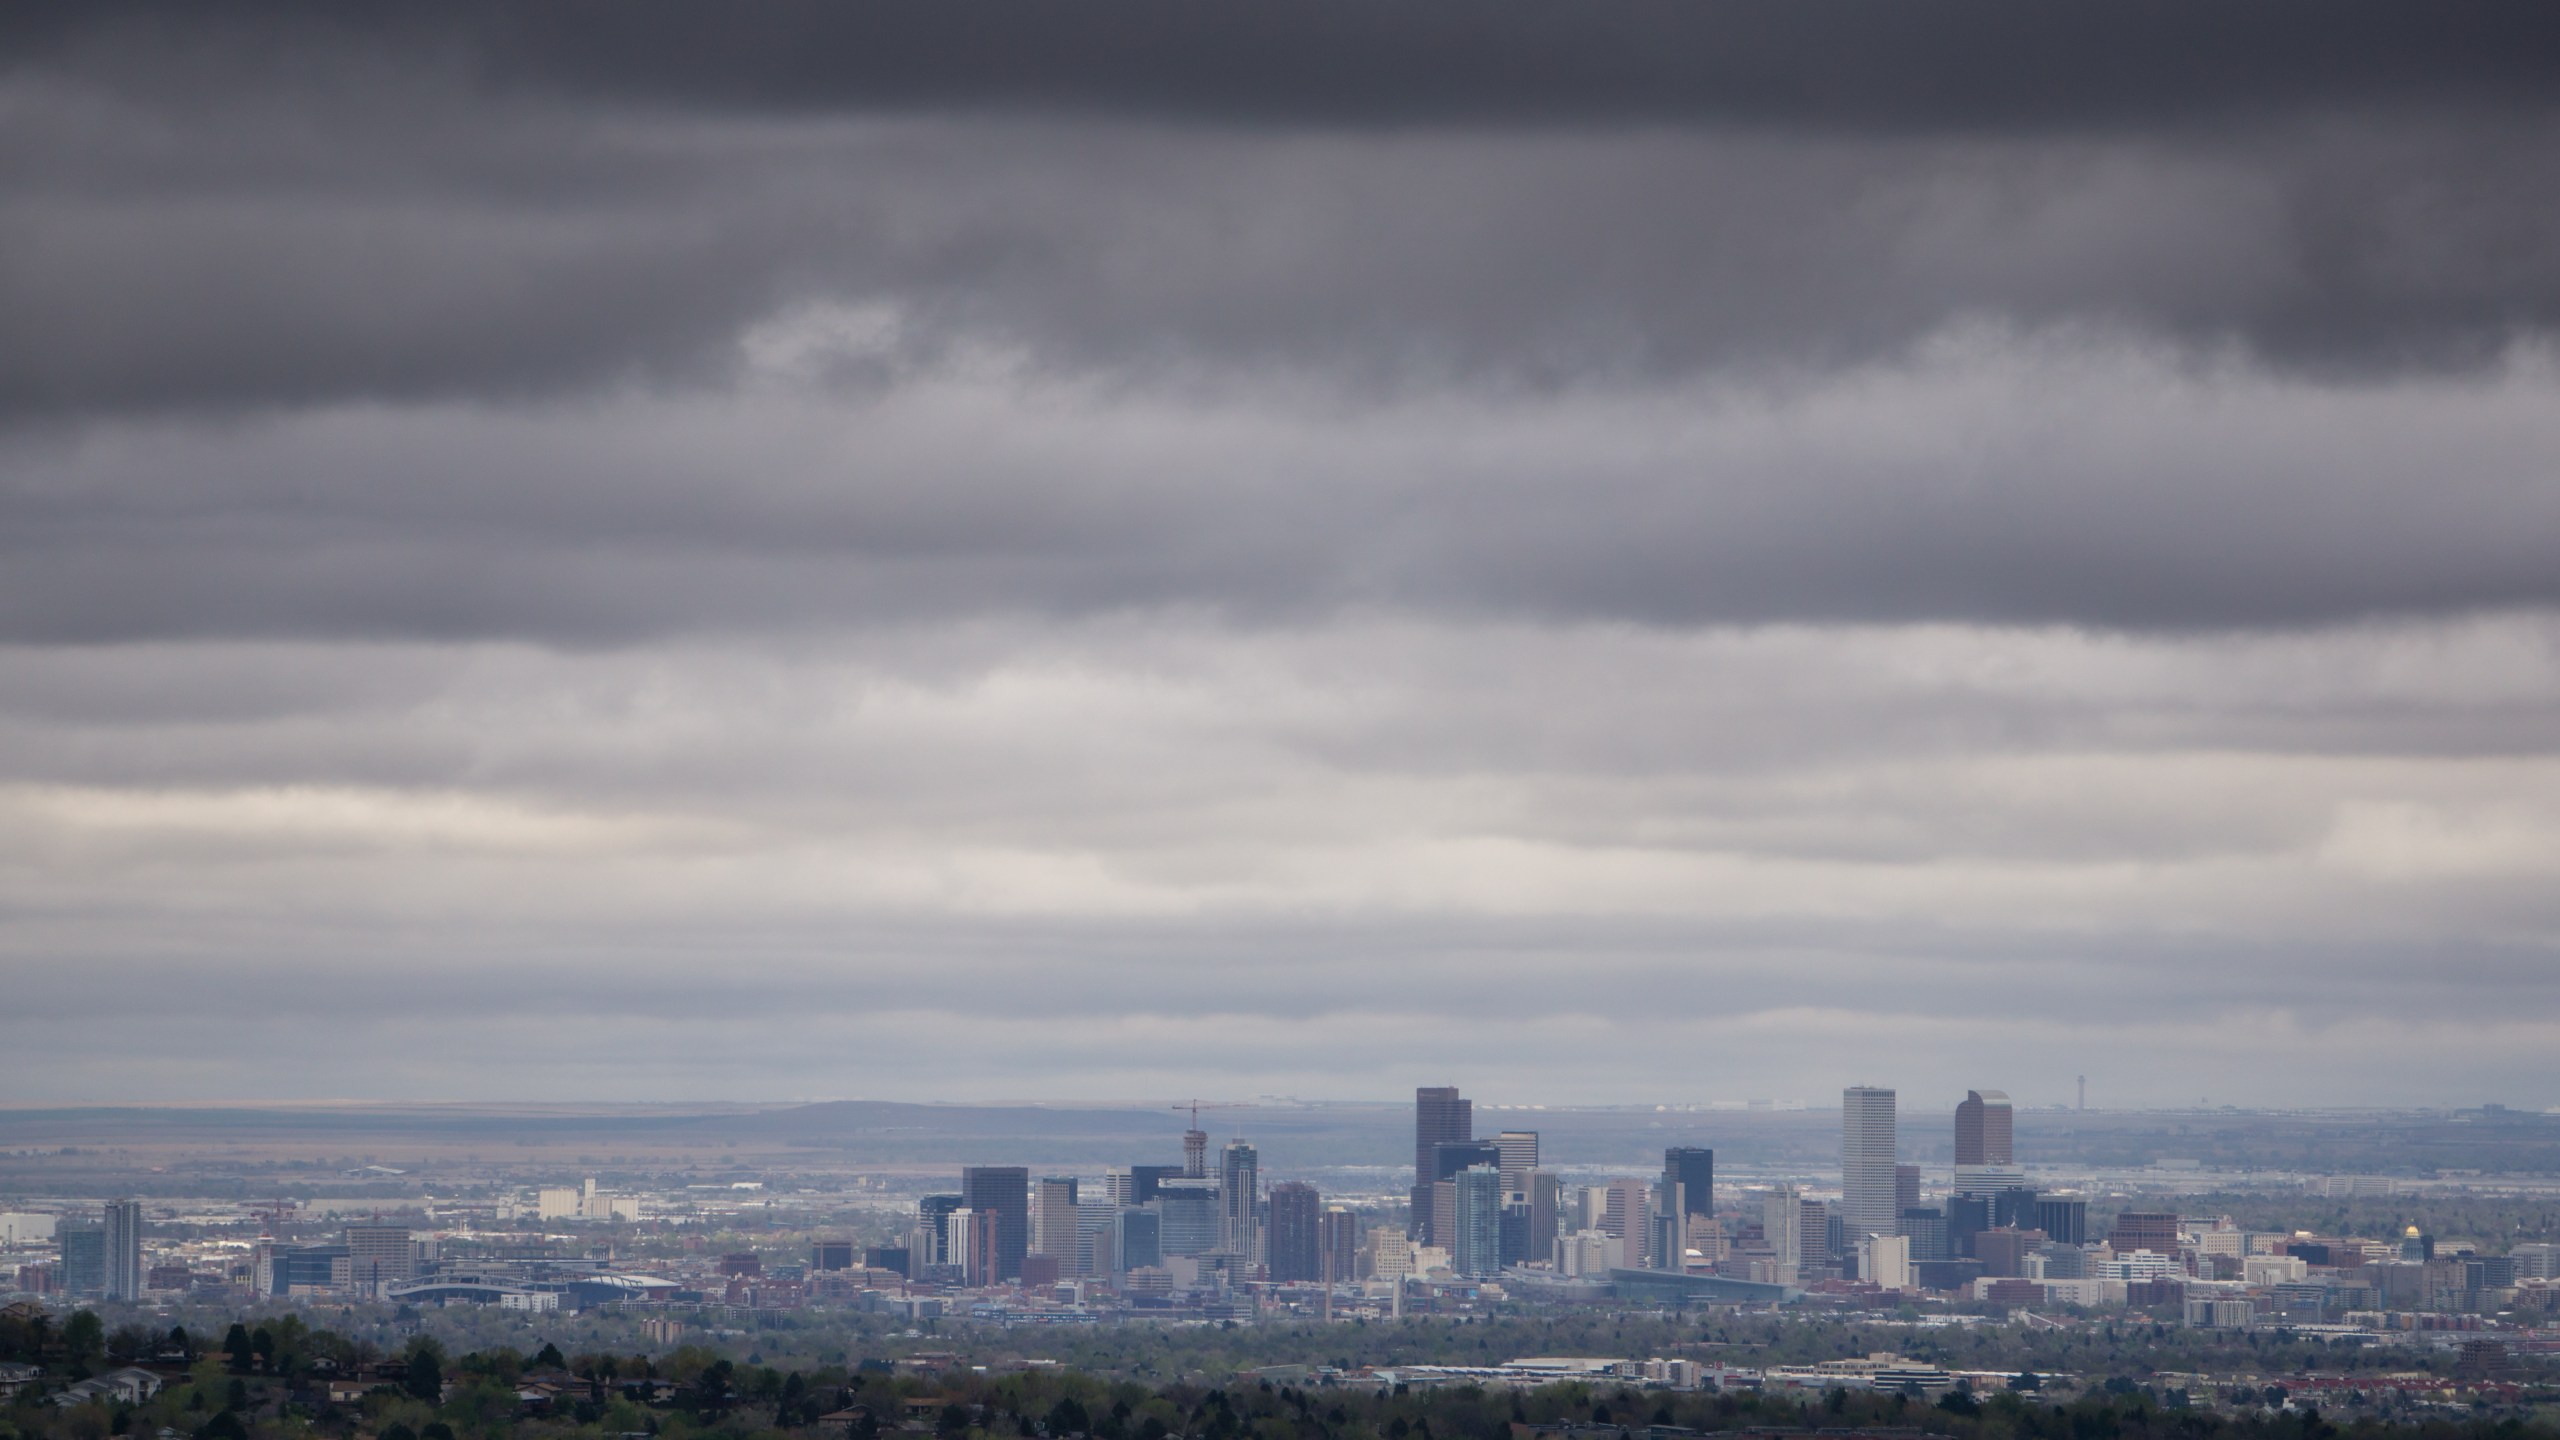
point(124, 1250)
point(1003, 1192)
point(1476, 1249)
point(1867, 1191)
point(1440, 1116)
point(1240, 1187)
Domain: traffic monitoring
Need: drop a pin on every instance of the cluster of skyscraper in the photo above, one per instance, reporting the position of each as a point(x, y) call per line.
point(1003, 1226)
point(103, 1257)
point(1888, 1233)
point(1481, 1205)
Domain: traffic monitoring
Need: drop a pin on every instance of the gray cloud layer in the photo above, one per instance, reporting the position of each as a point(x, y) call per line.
point(1313, 549)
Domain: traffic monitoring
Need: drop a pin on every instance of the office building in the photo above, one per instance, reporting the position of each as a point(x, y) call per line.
point(1626, 1217)
point(1138, 1184)
point(1338, 1236)
point(81, 1246)
point(1967, 1216)
point(1868, 1191)
point(973, 1239)
point(1002, 1193)
point(1906, 1187)
point(2014, 1207)
point(1519, 1152)
point(2063, 1218)
point(1515, 1230)
point(380, 1255)
point(1097, 1247)
point(2156, 1231)
point(1983, 1129)
point(2003, 1250)
point(1293, 1245)
point(1925, 1226)
point(1475, 1248)
point(1451, 1156)
point(1668, 1249)
point(124, 1271)
point(1440, 1116)
point(931, 1214)
point(1448, 1158)
point(1782, 1225)
point(1542, 1195)
point(1387, 1253)
point(1053, 1218)
point(1886, 1261)
point(1240, 1190)
point(1693, 1169)
point(826, 1255)
point(1817, 1239)
point(1984, 1160)
point(1138, 1239)
point(1192, 1221)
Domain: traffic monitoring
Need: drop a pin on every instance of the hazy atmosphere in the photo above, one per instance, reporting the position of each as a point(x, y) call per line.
point(1142, 550)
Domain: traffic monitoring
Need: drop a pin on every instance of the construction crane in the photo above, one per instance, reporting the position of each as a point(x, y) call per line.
point(1195, 1141)
point(276, 1212)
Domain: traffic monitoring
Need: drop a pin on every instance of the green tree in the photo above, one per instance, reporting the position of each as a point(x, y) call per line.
point(84, 1338)
point(425, 1378)
point(235, 1346)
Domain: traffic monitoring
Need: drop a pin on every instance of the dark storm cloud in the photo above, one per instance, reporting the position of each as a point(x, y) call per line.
point(283, 205)
point(1994, 63)
point(2001, 481)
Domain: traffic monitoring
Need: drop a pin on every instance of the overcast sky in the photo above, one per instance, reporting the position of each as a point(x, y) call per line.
point(1611, 552)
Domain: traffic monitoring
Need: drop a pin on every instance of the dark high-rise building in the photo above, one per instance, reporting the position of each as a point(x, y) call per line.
point(1515, 1232)
point(2003, 1250)
point(1240, 1190)
point(1926, 1225)
point(1543, 1194)
point(2156, 1231)
point(897, 1259)
point(1141, 1239)
point(1476, 1244)
point(124, 1250)
point(1967, 1216)
point(933, 1217)
point(379, 1255)
point(1983, 1128)
point(1906, 1188)
point(1001, 1194)
point(1292, 1244)
point(1193, 1221)
point(1694, 1170)
point(1450, 1157)
point(1338, 1240)
point(83, 1248)
point(834, 1255)
point(2015, 1206)
point(2063, 1220)
point(1440, 1116)
point(1146, 1180)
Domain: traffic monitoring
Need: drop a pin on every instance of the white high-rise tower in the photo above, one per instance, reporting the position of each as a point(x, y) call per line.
point(1867, 1202)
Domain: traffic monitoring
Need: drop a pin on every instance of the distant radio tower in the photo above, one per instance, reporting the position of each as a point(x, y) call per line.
point(2084, 1094)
